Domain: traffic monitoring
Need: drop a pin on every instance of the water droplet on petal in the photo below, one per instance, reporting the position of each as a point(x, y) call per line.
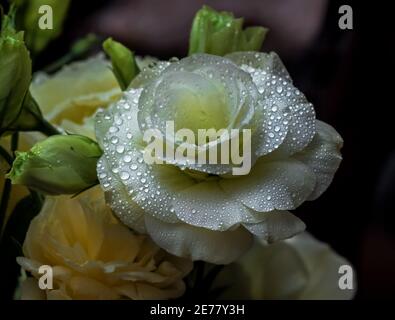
point(124, 175)
point(120, 149)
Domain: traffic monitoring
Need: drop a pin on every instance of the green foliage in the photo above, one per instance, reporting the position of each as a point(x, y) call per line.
point(60, 164)
point(29, 15)
point(123, 62)
point(221, 33)
point(15, 72)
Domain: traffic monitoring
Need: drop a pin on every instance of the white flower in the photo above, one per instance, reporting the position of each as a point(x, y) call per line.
point(298, 268)
point(202, 211)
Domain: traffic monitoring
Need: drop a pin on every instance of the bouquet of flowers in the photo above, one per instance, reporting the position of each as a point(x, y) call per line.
point(127, 177)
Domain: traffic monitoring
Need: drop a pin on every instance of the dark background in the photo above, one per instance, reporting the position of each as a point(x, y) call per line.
point(346, 74)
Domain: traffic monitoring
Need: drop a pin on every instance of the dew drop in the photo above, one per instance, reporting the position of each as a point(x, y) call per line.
point(124, 175)
point(127, 158)
point(113, 129)
point(120, 149)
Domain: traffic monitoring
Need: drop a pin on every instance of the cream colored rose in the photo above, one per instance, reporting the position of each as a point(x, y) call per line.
point(67, 99)
point(93, 256)
point(298, 268)
point(203, 210)
point(76, 91)
point(72, 95)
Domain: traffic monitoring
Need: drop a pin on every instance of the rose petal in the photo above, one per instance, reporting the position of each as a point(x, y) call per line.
point(198, 243)
point(280, 184)
point(301, 128)
point(298, 268)
point(148, 73)
point(322, 265)
point(109, 121)
point(152, 188)
point(288, 119)
point(276, 225)
point(206, 205)
point(76, 91)
point(323, 156)
point(118, 196)
point(31, 291)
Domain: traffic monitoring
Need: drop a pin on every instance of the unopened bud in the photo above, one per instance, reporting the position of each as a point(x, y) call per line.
point(61, 164)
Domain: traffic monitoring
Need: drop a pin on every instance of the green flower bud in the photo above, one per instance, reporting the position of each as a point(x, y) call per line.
point(15, 73)
point(31, 16)
point(123, 62)
point(220, 33)
point(61, 164)
point(18, 110)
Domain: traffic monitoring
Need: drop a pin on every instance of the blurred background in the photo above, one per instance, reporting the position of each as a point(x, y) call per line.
point(342, 72)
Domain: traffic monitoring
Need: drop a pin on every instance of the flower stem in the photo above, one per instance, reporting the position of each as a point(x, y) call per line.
point(4, 203)
point(14, 143)
point(5, 197)
point(59, 63)
point(47, 128)
point(6, 156)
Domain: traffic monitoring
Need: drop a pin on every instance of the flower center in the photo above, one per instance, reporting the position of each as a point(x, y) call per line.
point(198, 103)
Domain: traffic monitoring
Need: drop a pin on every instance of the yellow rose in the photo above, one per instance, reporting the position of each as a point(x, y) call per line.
point(93, 256)
point(67, 99)
point(76, 91)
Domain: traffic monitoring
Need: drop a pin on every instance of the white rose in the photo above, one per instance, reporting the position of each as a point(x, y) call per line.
point(203, 211)
point(300, 268)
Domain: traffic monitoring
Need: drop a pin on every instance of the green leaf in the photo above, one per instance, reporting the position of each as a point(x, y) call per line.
point(123, 62)
point(221, 33)
point(29, 15)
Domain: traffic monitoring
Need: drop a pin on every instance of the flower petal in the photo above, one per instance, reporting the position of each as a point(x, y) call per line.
point(276, 225)
point(199, 243)
point(260, 65)
point(110, 120)
point(323, 156)
point(76, 91)
point(298, 268)
point(118, 196)
point(30, 290)
point(286, 112)
point(206, 205)
point(128, 180)
point(322, 265)
point(279, 184)
point(149, 73)
point(301, 127)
